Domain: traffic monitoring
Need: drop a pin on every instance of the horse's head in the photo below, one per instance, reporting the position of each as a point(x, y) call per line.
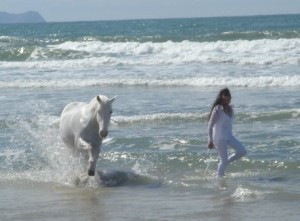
point(104, 114)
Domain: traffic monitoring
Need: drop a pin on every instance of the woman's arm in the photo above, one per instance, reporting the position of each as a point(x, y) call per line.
point(212, 120)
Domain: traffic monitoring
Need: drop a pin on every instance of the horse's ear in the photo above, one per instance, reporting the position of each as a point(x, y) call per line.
point(112, 99)
point(99, 99)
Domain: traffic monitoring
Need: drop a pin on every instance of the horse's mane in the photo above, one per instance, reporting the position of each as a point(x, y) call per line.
point(89, 111)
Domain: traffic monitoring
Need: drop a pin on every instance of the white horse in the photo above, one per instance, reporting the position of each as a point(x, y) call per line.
point(84, 125)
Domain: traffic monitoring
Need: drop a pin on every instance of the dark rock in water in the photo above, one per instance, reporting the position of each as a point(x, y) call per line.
point(27, 17)
point(114, 178)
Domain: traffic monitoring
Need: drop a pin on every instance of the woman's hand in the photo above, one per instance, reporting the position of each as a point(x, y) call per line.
point(210, 145)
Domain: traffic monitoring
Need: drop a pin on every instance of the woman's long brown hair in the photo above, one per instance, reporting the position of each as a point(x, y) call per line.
point(222, 92)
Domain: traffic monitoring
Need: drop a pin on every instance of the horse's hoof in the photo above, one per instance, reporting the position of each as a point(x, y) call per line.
point(91, 173)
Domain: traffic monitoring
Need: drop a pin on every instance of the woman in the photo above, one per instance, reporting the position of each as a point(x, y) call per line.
point(220, 131)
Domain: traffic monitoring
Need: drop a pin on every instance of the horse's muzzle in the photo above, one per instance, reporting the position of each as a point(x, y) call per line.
point(103, 134)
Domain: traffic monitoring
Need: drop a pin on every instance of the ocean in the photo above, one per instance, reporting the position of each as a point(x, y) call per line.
point(166, 74)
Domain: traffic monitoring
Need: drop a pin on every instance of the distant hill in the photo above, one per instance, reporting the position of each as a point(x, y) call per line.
point(27, 17)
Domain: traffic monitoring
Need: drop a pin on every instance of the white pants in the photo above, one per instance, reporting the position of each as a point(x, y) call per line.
point(222, 146)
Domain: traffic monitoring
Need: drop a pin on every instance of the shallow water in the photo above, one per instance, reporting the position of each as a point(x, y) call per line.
point(209, 200)
point(155, 160)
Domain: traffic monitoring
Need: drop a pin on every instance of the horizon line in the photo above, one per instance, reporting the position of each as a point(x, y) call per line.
point(170, 18)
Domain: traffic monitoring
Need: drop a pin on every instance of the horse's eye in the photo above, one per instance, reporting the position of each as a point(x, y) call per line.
point(111, 112)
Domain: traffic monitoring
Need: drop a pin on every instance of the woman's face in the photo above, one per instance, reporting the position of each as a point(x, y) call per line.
point(226, 100)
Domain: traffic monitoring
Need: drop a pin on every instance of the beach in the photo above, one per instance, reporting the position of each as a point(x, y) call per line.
point(166, 74)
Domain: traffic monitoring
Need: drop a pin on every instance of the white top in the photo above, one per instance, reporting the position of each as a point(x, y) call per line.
point(219, 125)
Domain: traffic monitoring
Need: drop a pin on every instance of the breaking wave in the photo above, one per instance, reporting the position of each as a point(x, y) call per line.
point(255, 81)
point(95, 53)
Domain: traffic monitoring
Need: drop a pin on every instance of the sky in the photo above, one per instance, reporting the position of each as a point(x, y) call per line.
point(94, 10)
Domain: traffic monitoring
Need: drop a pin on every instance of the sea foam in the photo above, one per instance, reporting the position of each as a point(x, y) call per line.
point(94, 53)
point(255, 82)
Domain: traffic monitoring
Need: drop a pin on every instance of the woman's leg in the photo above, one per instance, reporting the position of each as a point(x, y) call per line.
point(222, 151)
point(239, 149)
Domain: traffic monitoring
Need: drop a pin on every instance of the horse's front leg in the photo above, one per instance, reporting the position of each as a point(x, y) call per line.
point(93, 157)
point(92, 154)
